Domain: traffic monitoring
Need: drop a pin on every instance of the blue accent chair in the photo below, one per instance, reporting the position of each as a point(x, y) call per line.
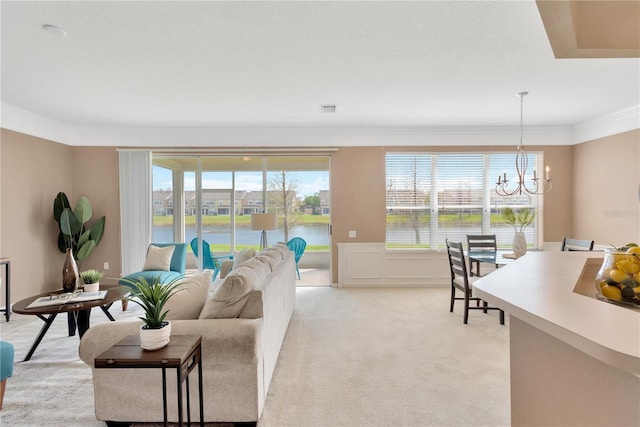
point(6, 366)
point(209, 261)
point(177, 267)
point(297, 245)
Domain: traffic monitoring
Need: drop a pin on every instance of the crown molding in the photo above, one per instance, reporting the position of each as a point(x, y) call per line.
point(609, 124)
point(23, 121)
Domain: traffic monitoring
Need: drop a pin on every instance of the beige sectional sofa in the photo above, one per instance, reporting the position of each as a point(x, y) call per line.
point(242, 319)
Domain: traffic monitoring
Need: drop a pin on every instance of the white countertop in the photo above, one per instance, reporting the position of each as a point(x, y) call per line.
point(539, 289)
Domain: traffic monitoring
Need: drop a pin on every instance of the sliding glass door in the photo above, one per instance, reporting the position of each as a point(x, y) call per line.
point(213, 198)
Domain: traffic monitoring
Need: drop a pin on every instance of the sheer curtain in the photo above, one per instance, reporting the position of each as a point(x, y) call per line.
point(135, 207)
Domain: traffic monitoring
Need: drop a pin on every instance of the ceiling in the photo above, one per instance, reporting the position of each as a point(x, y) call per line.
point(207, 64)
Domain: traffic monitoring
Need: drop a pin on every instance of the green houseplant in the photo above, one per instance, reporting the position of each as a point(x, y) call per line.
point(519, 220)
point(91, 276)
point(74, 230)
point(152, 296)
point(91, 279)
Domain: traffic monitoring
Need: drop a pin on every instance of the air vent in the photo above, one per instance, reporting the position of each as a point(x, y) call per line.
point(328, 108)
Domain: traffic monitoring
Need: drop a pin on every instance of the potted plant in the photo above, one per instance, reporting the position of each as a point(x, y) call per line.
point(156, 332)
point(74, 232)
point(519, 220)
point(91, 279)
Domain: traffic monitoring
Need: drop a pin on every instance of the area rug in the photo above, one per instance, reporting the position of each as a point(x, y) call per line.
point(351, 357)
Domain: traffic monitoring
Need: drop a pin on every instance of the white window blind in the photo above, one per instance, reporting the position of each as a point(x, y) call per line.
point(408, 199)
point(436, 196)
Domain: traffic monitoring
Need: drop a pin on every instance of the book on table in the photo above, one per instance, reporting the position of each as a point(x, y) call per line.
point(65, 298)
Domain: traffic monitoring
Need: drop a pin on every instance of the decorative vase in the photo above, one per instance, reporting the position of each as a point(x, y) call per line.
point(92, 287)
point(155, 338)
point(69, 273)
point(619, 278)
point(519, 244)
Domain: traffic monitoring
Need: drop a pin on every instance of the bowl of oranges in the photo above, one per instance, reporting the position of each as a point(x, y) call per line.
point(618, 280)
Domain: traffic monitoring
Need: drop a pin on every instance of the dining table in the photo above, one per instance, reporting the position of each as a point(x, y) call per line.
point(497, 258)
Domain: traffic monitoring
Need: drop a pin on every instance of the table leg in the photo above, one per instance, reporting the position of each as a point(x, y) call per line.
point(105, 309)
point(47, 323)
point(188, 402)
point(83, 317)
point(164, 396)
point(200, 387)
point(179, 381)
point(7, 290)
point(72, 322)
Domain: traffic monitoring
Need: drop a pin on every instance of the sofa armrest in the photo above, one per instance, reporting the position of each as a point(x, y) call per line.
point(223, 340)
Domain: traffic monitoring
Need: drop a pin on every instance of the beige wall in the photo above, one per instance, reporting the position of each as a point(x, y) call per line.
point(358, 192)
point(607, 180)
point(35, 170)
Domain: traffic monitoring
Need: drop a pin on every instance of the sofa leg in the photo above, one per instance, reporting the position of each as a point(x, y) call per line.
point(118, 424)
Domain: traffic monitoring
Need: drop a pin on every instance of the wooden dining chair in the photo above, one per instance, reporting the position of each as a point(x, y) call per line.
point(460, 280)
point(480, 242)
point(569, 244)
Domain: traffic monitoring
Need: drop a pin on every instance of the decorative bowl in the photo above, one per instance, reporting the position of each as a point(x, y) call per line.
point(618, 280)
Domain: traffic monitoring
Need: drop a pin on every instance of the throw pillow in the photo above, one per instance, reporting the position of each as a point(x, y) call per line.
point(242, 256)
point(214, 287)
point(188, 301)
point(229, 299)
point(270, 260)
point(158, 258)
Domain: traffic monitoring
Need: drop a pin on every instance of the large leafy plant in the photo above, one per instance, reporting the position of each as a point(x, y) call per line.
point(152, 297)
point(520, 219)
point(74, 231)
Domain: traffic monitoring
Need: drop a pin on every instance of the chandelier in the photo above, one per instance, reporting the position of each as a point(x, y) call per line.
point(536, 185)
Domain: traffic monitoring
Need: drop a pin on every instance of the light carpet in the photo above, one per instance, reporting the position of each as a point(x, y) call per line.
point(351, 357)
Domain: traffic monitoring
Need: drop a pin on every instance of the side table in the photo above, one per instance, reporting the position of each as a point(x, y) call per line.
point(182, 353)
point(7, 286)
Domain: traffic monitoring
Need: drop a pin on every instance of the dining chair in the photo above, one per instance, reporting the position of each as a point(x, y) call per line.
point(460, 280)
point(480, 242)
point(209, 260)
point(569, 244)
point(297, 245)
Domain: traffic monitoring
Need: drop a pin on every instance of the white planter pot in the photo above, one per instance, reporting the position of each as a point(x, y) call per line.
point(154, 339)
point(519, 244)
point(92, 287)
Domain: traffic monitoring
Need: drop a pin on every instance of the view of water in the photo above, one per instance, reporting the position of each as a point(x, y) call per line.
point(313, 234)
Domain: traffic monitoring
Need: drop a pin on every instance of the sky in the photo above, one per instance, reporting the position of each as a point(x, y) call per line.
point(307, 183)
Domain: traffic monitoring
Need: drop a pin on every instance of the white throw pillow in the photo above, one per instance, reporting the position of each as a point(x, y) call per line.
point(242, 256)
point(214, 287)
point(188, 301)
point(228, 300)
point(158, 258)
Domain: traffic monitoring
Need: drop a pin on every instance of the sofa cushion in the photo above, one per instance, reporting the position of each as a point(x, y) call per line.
point(282, 248)
point(188, 301)
point(158, 258)
point(228, 300)
point(271, 257)
point(242, 256)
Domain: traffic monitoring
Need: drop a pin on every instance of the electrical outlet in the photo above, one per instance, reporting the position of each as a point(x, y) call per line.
point(106, 265)
point(352, 234)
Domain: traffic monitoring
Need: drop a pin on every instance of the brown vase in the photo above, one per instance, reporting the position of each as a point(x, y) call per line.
point(69, 273)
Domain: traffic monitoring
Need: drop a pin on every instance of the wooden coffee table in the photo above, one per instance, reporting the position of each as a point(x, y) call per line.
point(78, 312)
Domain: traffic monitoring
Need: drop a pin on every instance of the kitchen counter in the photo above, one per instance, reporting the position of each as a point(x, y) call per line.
point(574, 359)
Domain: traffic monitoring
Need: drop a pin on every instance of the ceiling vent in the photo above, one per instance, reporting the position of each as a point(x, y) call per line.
point(328, 108)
